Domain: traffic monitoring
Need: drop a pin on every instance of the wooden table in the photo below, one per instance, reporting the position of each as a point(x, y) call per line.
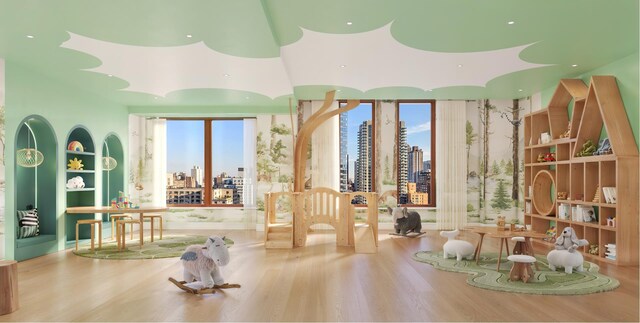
point(108, 209)
point(503, 236)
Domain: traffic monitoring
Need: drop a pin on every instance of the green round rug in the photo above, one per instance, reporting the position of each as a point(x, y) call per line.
point(169, 246)
point(544, 282)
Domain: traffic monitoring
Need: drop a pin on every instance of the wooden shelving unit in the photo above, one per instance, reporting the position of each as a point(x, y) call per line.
point(589, 112)
point(81, 196)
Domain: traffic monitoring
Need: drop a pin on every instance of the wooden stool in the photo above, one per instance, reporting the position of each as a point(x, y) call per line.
point(151, 217)
point(120, 232)
point(9, 282)
point(523, 247)
point(521, 269)
point(116, 217)
point(93, 222)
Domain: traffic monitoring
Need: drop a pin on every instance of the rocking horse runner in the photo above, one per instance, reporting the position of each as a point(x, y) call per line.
point(202, 267)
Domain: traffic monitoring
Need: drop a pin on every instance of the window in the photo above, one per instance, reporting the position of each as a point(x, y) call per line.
point(204, 162)
point(416, 152)
point(357, 156)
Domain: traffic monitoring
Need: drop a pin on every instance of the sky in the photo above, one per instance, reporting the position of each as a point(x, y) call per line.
point(185, 145)
point(417, 120)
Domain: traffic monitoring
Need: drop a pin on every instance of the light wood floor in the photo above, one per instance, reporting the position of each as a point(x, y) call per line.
point(317, 283)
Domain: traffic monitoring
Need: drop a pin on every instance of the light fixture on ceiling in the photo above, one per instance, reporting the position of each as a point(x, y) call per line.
point(189, 36)
point(338, 90)
point(246, 97)
point(519, 90)
point(110, 75)
point(349, 23)
point(226, 75)
point(459, 65)
point(574, 65)
point(30, 36)
point(155, 97)
point(511, 22)
point(430, 90)
point(29, 157)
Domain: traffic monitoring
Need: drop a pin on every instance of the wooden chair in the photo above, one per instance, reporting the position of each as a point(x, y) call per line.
point(120, 232)
point(116, 217)
point(92, 222)
point(151, 217)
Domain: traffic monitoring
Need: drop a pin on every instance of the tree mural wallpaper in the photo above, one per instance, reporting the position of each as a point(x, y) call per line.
point(493, 136)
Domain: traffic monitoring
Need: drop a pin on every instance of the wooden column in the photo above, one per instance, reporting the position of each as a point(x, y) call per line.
point(8, 286)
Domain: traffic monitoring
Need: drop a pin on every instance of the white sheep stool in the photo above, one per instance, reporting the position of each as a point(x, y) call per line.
point(521, 269)
point(460, 248)
point(566, 259)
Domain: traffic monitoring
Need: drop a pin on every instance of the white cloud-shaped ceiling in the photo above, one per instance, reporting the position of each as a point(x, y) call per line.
point(362, 61)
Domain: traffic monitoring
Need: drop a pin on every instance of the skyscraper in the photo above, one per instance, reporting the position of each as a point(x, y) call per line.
point(196, 174)
point(403, 149)
point(415, 163)
point(344, 157)
point(365, 154)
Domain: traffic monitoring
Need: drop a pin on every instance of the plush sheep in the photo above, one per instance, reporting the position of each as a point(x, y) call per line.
point(460, 248)
point(566, 259)
point(202, 262)
point(405, 221)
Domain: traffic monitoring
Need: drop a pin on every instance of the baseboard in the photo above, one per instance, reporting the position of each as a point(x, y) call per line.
point(208, 226)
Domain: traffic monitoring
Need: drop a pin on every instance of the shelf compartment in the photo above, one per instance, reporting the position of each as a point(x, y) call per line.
point(605, 213)
point(563, 179)
point(84, 153)
point(577, 182)
point(563, 151)
point(591, 182)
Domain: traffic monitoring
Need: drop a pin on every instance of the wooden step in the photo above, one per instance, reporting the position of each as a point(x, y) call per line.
point(279, 236)
point(280, 227)
point(363, 239)
point(278, 244)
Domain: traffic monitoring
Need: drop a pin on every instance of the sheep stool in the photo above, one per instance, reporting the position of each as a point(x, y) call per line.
point(116, 217)
point(120, 232)
point(92, 222)
point(151, 217)
point(521, 269)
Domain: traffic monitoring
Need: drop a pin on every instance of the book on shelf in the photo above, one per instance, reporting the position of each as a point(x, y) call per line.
point(609, 194)
point(610, 245)
point(527, 207)
point(610, 253)
point(563, 211)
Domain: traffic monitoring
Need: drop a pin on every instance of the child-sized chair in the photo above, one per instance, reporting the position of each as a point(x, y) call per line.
point(151, 217)
point(92, 222)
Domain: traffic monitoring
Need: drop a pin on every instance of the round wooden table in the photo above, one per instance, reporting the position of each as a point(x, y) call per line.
point(503, 236)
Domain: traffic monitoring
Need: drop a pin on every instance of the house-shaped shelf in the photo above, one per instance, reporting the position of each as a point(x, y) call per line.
point(604, 107)
point(567, 90)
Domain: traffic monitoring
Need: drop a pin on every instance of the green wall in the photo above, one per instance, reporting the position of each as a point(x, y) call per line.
point(30, 93)
point(626, 72)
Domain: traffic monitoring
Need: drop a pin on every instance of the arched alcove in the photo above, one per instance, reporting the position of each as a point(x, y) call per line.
point(35, 185)
point(80, 146)
point(113, 179)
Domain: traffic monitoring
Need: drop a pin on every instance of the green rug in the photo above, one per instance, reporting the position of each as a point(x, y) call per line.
point(544, 282)
point(169, 246)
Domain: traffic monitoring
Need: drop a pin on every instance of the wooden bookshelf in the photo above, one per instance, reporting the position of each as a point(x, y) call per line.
point(585, 113)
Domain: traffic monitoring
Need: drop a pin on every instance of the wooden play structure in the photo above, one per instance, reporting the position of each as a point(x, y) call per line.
point(320, 205)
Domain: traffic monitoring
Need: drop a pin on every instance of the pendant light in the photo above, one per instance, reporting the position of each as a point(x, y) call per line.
point(108, 162)
point(29, 157)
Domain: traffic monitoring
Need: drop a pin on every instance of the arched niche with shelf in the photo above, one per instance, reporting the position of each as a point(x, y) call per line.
point(113, 179)
point(36, 185)
point(80, 146)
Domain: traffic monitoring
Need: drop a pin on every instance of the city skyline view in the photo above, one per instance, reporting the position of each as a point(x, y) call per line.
point(185, 146)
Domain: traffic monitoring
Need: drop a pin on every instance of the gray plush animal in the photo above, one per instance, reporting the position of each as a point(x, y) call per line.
point(405, 221)
point(568, 240)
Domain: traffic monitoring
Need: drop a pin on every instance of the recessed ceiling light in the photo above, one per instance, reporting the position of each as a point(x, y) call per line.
point(246, 97)
point(429, 90)
point(189, 36)
point(30, 36)
point(338, 90)
point(459, 65)
point(349, 23)
point(511, 22)
point(574, 65)
point(343, 66)
point(110, 75)
point(519, 90)
point(226, 75)
point(155, 97)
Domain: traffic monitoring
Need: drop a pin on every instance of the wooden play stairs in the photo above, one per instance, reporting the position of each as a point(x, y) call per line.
point(364, 238)
point(279, 236)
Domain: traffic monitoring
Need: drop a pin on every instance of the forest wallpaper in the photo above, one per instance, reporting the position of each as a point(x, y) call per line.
point(495, 167)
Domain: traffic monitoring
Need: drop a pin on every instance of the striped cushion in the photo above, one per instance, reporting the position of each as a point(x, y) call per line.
point(29, 225)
